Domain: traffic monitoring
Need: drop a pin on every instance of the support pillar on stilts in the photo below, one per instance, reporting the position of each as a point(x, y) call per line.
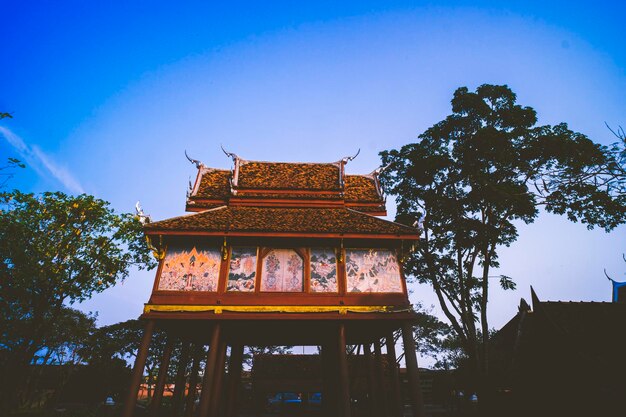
point(155, 404)
point(329, 366)
point(410, 357)
point(140, 363)
point(374, 406)
point(234, 379)
point(380, 378)
point(343, 402)
point(193, 381)
point(218, 378)
point(179, 380)
point(209, 372)
point(396, 395)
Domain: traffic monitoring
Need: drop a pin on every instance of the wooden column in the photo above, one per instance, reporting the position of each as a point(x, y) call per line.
point(397, 406)
point(343, 403)
point(155, 404)
point(410, 357)
point(328, 376)
point(193, 381)
point(374, 404)
point(179, 380)
point(140, 363)
point(209, 372)
point(380, 379)
point(234, 379)
point(220, 363)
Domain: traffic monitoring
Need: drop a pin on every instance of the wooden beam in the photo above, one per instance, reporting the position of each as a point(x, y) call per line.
point(140, 362)
point(234, 378)
point(209, 372)
point(218, 378)
point(179, 379)
point(396, 395)
point(193, 381)
point(380, 379)
point(155, 404)
point(343, 403)
point(410, 356)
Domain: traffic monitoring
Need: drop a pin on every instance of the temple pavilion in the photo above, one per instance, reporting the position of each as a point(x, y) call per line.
point(274, 253)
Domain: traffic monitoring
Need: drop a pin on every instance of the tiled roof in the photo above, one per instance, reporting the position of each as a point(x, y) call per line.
point(241, 219)
point(370, 209)
point(288, 176)
point(292, 195)
point(361, 188)
point(286, 184)
point(214, 184)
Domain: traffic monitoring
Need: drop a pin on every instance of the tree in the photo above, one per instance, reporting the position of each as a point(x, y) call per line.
point(8, 171)
point(56, 250)
point(614, 174)
point(470, 177)
point(61, 347)
point(122, 340)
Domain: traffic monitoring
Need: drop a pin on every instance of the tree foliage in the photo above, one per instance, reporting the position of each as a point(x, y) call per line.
point(121, 341)
point(56, 250)
point(467, 181)
point(7, 171)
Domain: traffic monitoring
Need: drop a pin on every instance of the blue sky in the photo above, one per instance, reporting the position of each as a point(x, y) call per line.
point(106, 98)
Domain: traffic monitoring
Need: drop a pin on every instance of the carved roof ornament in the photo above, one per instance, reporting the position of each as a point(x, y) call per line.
point(380, 170)
point(231, 155)
point(347, 159)
point(197, 163)
point(143, 217)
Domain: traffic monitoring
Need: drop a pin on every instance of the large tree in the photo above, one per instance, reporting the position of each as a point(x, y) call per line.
point(467, 181)
point(55, 250)
point(122, 340)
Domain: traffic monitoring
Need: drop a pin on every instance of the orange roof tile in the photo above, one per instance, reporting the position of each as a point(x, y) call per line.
point(361, 188)
point(288, 176)
point(214, 184)
point(267, 220)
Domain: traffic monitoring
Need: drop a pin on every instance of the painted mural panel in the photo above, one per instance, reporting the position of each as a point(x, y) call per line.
point(195, 269)
point(242, 272)
point(282, 271)
point(372, 270)
point(323, 270)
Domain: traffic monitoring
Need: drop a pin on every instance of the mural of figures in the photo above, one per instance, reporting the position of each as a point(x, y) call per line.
point(242, 270)
point(323, 270)
point(282, 271)
point(372, 270)
point(197, 269)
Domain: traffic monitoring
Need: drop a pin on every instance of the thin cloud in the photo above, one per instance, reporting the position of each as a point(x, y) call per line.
point(43, 165)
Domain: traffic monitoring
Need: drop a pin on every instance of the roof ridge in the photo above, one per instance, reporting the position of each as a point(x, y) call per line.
point(186, 215)
point(248, 161)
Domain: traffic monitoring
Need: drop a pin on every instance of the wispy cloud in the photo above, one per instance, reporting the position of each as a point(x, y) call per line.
point(41, 162)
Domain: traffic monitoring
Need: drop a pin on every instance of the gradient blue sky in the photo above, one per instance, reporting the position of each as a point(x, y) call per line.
point(107, 97)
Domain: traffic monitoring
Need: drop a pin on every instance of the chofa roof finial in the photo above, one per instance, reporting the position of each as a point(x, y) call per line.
point(347, 159)
point(380, 170)
point(229, 154)
point(197, 163)
point(143, 217)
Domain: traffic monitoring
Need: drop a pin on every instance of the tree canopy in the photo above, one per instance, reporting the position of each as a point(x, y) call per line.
point(475, 173)
point(56, 250)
